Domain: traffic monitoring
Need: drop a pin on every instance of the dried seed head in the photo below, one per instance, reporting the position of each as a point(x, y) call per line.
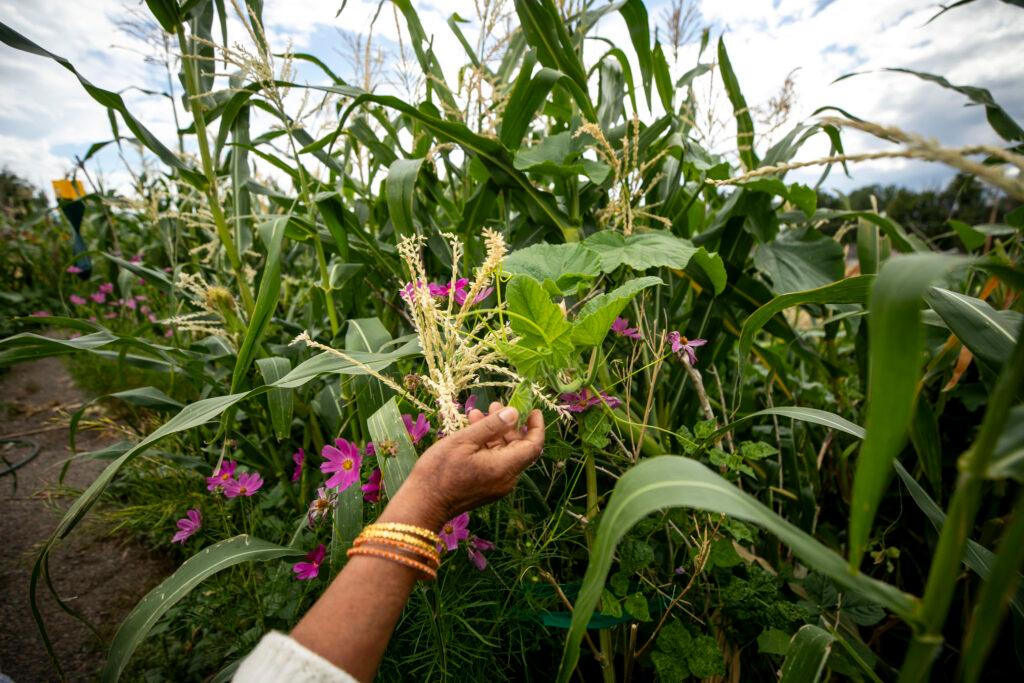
point(217, 298)
point(411, 381)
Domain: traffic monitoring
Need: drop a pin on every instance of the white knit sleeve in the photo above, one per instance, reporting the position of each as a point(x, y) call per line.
point(278, 657)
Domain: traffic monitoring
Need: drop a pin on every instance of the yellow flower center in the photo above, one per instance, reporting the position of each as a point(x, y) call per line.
point(346, 465)
point(449, 529)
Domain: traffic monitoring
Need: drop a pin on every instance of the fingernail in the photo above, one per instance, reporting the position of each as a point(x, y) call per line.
point(509, 415)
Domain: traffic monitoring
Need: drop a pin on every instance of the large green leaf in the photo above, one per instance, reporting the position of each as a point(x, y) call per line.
point(195, 570)
point(646, 250)
point(528, 94)
point(988, 333)
point(744, 122)
point(806, 656)
point(110, 100)
point(559, 267)
point(594, 320)
point(895, 344)
point(800, 260)
point(853, 290)
point(671, 481)
point(635, 14)
point(544, 333)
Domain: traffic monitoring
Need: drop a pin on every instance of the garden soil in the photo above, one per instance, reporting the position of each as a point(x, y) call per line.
point(101, 576)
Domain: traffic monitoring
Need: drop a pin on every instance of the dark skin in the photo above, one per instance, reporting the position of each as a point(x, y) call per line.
point(351, 623)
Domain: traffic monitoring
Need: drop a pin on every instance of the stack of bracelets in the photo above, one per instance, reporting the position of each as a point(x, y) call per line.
point(416, 547)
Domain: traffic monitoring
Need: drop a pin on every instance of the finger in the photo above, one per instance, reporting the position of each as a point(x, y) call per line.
point(494, 407)
point(492, 427)
point(475, 416)
point(520, 454)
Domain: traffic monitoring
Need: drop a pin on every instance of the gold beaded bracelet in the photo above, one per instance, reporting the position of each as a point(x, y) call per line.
point(432, 557)
point(408, 528)
point(397, 536)
point(429, 572)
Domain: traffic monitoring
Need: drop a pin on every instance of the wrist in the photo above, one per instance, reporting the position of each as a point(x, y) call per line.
point(414, 504)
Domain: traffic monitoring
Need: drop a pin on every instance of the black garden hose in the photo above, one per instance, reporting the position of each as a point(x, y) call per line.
point(26, 460)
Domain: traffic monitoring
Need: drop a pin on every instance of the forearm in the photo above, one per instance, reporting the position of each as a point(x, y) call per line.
point(351, 623)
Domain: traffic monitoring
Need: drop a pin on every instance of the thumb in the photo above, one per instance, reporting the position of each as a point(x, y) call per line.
point(495, 425)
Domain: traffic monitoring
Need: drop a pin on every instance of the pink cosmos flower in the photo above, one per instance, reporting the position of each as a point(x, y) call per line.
point(461, 294)
point(683, 346)
point(136, 259)
point(369, 450)
point(222, 476)
point(74, 270)
point(187, 526)
point(476, 547)
point(92, 319)
point(298, 457)
point(41, 314)
point(110, 315)
point(621, 327)
point(321, 506)
point(106, 288)
point(455, 530)
point(344, 460)
point(371, 489)
point(140, 297)
point(128, 303)
point(98, 297)
point(583, 400)
point(247, 484)
point(418, 429)
point(407, 291)
point(168, 333)
point(76, 300)
point(305, 571)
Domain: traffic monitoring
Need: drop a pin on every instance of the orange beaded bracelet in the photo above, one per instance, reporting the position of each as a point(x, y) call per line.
point(431, 557)
point(394, 557)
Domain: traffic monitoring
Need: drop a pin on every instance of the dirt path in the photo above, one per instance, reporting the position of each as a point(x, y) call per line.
point(101, 577)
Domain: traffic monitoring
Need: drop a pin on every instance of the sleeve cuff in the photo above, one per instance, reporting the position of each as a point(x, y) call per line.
point(279, 657)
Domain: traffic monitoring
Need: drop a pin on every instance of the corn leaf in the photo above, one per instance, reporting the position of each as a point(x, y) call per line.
point(806, 656)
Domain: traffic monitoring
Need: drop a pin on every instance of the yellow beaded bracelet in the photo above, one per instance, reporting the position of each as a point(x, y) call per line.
point(398, 536)
point(408, 528)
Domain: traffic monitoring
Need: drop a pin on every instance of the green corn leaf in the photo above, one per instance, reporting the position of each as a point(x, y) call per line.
point(663, 78)
point(672, 481)
point(431, 67)
point(596, 317)
point(280, 402)
point(1008, 458)
point(852, 290)
point(368, 335)
point(347, 523)
point(156, 278)
point(813, 415)
point(988, 333)
point(1002, 123)
point(635, 14)
point(895, 341)
point(400, 194)
point(901, 241)
point(546, 33)
point(217, 557)
point(387, 429)
point(110, 100)
point(744, 122)
point(807, 654)
point(872, 249)
point(924, 434)
point(990, 609)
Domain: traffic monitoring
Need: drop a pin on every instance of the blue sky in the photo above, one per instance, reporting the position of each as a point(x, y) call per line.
point(46, 119)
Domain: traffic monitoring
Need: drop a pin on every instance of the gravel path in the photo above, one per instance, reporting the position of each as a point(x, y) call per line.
point(102, 577)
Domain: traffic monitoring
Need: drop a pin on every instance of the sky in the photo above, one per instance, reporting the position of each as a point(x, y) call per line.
point(46, 119)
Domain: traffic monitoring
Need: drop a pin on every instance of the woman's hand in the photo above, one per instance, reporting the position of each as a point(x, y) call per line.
point(462, 471)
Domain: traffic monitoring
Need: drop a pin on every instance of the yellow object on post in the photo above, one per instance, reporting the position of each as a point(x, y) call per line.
point(68, 189)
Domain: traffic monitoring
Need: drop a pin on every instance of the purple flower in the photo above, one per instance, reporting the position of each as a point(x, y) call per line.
point(371, 489)
point(476, 546)
point(136, 259)
point(344, 460)
point(77, 300)
point(455, 530)
point(683, 346)
point(470, 403)
point(106, 288)
point(98, 297)
point(407, 291)
point(621, 327)
point(418, 429)
point(110, 315)
point(369, 450)
point(187, 526)
point(74, 270)
point(41, 314)
point(247, 484)
point(322, 505)
point(298, 457)
point(583, 400)
point(222, 476)
point(310, 569)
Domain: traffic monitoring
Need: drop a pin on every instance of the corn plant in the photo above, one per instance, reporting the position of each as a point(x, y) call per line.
point(535, 235)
